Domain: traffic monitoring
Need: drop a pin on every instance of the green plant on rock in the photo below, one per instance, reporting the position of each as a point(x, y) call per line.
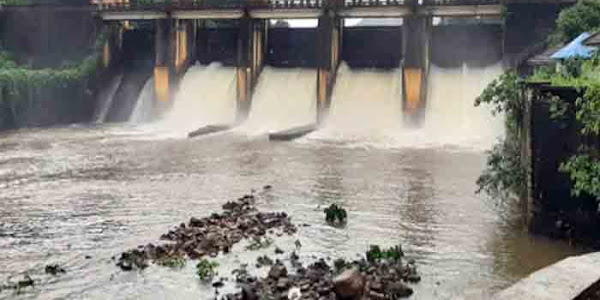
point(206, 269)
point(375, 253)
point(174, 262)
point(335, 213)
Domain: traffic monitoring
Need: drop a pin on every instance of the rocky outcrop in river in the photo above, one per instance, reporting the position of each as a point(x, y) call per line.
point(382, 274)
point(361, 279)
point(210, 235)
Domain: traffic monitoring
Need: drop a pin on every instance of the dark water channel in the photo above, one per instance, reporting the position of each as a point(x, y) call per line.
point(70, 192)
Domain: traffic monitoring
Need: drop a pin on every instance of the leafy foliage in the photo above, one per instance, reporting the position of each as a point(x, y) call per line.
point(584, 171)
point(575, 72)
point(175, 262)
point(335, 212)
point(16, 79)
point(588, 110)
point(583, 166)
point(206, 269)
point(375, 253)
point(504, 174)
point(582, 17)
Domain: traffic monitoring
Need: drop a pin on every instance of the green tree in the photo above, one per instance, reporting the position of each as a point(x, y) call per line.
point(582, 17)
point(504, 174)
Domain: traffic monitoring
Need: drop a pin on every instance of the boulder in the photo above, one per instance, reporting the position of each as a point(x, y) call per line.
point(398, 289)
point(349, 285)
point(277, 271)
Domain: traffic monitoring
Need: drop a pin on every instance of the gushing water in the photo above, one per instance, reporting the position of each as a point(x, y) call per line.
point(366, 110)
point(283, 98)
point(106, 99)
point(366, 105)
point(451, 116)
point(143, 111)
point(206, 96)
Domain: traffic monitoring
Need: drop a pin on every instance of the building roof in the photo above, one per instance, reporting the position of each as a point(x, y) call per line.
point(575, 48)
point(544, 58)
point(593, 40)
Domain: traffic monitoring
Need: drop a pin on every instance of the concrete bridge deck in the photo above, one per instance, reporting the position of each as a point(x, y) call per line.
point(298, 9)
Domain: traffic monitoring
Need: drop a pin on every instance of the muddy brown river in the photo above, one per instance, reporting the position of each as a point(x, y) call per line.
point(71, 192)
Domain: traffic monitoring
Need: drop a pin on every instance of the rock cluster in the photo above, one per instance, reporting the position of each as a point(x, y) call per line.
point(361, 279)
point(208, 236)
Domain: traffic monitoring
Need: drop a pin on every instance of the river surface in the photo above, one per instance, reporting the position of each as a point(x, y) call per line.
point(71, 192)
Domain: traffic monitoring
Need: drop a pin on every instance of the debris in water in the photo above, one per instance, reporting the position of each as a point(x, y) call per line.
point(175, 262)
point(259, 243)
point(206, 269)
point(54, 269)
point(335, 214)
point(263, 261)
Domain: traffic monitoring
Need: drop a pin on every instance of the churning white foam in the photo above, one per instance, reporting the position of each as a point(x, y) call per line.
point(283, 98)
point(366, 111)
point(206, 96)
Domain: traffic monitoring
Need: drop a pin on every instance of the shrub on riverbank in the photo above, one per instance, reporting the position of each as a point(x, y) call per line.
point(22, 88)
point(504, 175)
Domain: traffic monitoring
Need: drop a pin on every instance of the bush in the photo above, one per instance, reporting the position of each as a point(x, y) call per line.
point(206, 269)
point(584, 171)
point(335, 212)
point(582, 17)
point(504, 174)
point(375, 253)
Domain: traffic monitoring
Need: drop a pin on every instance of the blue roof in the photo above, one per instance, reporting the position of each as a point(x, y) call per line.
point(575, 49)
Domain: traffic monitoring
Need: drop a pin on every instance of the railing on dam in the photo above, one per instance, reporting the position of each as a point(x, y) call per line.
point(166, 5)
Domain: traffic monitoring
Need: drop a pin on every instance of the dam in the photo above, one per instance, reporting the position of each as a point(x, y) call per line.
point(410, 36)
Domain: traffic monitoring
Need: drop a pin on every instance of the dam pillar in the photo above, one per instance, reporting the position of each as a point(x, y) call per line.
point(183, 45)
point(165, 65)
point(251, 47)
point(416, 65)
point(329, 37)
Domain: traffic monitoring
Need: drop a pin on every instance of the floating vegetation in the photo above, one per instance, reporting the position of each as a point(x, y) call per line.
point(27, 281)
point(54, 269)
point(175, 262)
point(206, 269)
point(375, 253)
point(335, 213)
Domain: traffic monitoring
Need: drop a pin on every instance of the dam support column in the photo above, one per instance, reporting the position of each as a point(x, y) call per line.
point(416, 66)
point(183, 46)
point(329, 37)
point(165, 65)
point(251, 47)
